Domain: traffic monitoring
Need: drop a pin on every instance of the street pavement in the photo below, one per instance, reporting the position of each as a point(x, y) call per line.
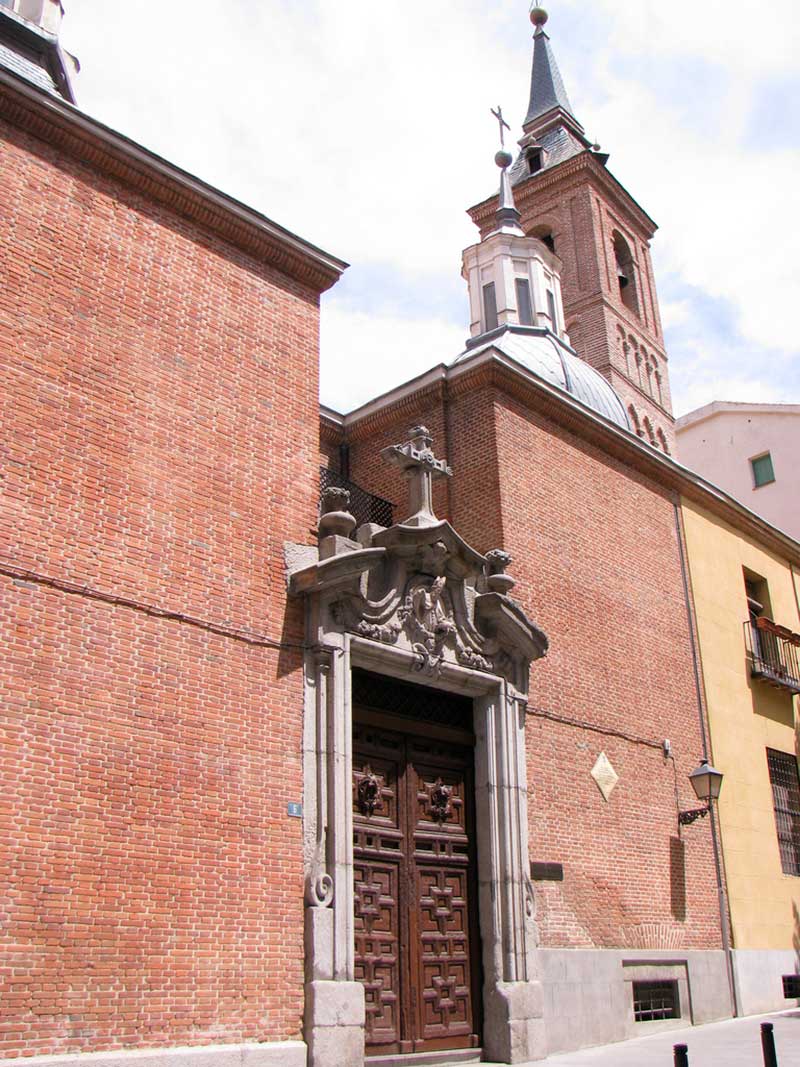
point(733, 1043)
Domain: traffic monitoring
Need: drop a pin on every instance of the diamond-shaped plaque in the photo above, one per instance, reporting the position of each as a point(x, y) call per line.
point(605, 775)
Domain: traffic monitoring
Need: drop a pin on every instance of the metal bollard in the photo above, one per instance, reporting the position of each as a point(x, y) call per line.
point(681, 1055)
point(768, 1045)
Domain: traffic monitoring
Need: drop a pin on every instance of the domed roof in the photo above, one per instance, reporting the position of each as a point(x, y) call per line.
point(555, 363)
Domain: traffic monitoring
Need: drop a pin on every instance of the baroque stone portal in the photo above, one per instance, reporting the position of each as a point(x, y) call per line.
point(415, 602)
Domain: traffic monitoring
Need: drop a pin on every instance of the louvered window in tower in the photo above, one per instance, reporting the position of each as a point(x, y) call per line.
point(489, 307)
point(524, 305)
point(551, 309)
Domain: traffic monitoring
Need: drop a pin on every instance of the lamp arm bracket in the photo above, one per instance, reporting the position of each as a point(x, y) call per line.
point(686, 818)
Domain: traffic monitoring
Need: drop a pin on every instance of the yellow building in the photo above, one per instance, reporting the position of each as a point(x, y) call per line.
point(745, 584)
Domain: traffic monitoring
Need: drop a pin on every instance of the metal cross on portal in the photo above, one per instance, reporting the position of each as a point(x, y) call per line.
point(502, 124)
point(416, 460)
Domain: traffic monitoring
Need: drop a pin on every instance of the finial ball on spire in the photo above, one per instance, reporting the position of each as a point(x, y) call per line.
point(503, 159)
point(538, 16)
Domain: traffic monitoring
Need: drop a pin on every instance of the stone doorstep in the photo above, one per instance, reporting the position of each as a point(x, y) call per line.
point(445, 1058)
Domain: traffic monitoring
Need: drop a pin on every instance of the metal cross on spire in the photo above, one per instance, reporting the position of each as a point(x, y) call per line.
point(502, 124)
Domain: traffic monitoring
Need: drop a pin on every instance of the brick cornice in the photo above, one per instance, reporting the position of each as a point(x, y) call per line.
point(90, 142)
point(330, 428)
point(493, 369)
point(406, 406)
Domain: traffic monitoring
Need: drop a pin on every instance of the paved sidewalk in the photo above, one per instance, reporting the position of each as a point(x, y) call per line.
point(733, 1043)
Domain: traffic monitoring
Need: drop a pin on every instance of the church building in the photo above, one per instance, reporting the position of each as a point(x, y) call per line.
point(344, 738)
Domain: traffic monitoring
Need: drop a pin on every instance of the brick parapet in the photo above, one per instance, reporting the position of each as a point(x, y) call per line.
point(59, 124)
point(160, 423)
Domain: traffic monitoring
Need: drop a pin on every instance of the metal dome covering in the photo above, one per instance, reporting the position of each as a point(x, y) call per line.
point(544, 355)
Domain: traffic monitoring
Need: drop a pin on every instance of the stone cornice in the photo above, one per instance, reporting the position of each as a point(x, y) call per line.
point(90, 142)
point(494, 369)
point(586, 163)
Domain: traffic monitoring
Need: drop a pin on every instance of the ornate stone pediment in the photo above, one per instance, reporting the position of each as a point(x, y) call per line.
point(418, 585)
point(412, 598)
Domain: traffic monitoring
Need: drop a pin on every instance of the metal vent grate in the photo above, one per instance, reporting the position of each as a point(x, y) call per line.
point(411, 701)
point(786, 800)
point(366, 507)
point(791, 986)
point(655, 1000)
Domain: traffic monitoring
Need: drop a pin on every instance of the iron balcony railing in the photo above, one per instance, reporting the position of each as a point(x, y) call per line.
point(364, 506)
point(773, 652)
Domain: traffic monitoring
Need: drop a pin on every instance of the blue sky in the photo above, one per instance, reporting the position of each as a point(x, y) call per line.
point(365, 128)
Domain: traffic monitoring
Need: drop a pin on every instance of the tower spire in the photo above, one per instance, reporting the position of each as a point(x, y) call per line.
point(508, 218)
point(507, 215)
point(548, 93)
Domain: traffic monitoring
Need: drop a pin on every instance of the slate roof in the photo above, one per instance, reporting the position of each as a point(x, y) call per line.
point(34, 54)
point(28, 67)
point(559, 144)
point(547, 85)
point(552, 361)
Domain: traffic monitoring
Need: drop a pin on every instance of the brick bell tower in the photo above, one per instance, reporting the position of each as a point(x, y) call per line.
point(569, 199)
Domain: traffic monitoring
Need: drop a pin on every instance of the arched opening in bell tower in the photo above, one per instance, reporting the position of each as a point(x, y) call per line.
point(626, 277)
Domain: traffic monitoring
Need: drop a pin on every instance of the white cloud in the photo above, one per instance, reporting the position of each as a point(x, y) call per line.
point(675, 313)
point(380, 352)
point(366, 129)
point(752, 40)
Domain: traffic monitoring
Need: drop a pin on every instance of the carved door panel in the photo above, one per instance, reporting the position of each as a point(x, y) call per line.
point(417, 947)
point(378, 847)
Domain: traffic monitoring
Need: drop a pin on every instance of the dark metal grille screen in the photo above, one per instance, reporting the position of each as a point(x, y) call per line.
point(411, 701)
point(655, 1000)
point(786, 800)
point(791, 986)
point(366, 507)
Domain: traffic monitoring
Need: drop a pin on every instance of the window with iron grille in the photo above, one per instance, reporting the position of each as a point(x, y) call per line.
point(655, 1000)
point(786, 801)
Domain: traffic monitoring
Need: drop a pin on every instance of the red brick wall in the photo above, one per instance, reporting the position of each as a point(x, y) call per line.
point(329, 450)
point(596, 561)
point(160, 442)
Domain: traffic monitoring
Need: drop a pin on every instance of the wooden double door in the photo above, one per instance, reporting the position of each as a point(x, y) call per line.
point(417, 948)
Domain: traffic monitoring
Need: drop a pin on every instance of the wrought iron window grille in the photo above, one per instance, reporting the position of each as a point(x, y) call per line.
point(655, 1000)
point(785, 782)
point(364, 506)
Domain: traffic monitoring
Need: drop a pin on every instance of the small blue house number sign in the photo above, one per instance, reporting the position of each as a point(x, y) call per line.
point(295, 810)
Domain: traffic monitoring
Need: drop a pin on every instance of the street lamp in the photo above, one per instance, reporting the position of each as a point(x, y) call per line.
point(706, 782)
